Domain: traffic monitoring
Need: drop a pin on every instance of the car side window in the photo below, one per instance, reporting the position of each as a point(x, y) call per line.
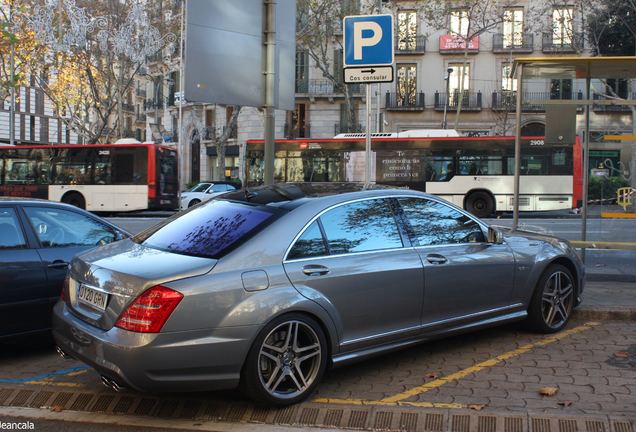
point(218, 188)
point(309, 244)
point(361, 226)
point(62, 228)
point(11, 235)
point(433, 223)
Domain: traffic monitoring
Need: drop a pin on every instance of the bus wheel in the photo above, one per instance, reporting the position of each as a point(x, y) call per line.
point(75, 199)
point(480, 204)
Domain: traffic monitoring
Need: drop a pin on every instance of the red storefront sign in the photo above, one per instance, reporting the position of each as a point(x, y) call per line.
point(451, 42)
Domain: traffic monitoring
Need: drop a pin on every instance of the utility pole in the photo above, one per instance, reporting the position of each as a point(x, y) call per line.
point(270, 75)
point(444, 121)
point(12, 78)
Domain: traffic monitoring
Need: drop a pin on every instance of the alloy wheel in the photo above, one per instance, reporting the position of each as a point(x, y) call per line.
point(289, 359)
point(557, 299)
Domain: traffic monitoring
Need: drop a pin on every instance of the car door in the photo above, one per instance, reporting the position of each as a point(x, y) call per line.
point(22, 279)
point(465, 277)
point(63, 233)
point(353, 261)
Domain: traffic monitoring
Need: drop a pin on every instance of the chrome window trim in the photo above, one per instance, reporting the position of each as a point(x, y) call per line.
point(431, 198)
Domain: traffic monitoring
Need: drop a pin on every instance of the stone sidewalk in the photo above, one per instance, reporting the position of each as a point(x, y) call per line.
point(608, 300)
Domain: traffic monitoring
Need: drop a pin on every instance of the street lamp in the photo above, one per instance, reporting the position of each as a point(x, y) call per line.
point(449, 71)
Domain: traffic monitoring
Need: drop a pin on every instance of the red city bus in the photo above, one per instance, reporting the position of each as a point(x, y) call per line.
point(97, 177)
point(475, 173)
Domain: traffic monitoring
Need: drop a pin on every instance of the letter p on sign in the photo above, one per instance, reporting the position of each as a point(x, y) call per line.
point(368, 40)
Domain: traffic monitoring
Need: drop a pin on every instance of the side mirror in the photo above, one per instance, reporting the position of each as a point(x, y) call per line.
point(494, 236)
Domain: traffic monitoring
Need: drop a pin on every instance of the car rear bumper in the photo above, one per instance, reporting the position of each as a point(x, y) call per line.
point(194, 360)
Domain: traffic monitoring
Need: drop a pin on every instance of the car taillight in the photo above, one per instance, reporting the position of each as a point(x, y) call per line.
point(149, 312)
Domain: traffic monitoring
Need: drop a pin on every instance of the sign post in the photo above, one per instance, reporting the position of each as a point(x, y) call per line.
point(368, 58)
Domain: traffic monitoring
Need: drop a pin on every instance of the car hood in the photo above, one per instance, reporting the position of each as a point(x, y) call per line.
point(123, 270)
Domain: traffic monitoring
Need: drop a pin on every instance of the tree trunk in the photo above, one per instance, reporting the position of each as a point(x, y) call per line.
point(460, 97)
point(351, 110)
point(219, 174)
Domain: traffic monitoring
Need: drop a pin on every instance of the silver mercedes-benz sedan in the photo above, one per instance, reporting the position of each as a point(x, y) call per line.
point(267, 288)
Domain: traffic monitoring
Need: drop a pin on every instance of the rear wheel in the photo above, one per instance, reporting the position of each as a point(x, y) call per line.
point(75, 199)
point(286, 361)
point(194, 202)
point(480, 203)
point(553, 300)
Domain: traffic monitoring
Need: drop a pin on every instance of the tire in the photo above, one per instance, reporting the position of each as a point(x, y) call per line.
point(193, 202)
point(75, 199)
point(552, 303)
point(273, 374)
point(480, 203)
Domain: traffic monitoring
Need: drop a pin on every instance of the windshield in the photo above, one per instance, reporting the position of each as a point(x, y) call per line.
point(210, 230)
point(201, 187)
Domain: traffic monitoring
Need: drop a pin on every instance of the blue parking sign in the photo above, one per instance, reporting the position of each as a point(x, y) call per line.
point(368, 40)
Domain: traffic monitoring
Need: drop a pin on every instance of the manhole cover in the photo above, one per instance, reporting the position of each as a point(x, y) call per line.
point(624, 359)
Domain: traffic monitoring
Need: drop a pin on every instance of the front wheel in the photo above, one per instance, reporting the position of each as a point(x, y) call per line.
point(286, 361)
point(553, 300)
point(193, 203)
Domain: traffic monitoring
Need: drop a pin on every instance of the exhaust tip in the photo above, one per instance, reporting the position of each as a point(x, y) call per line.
point(63, 353)
point(112, 384)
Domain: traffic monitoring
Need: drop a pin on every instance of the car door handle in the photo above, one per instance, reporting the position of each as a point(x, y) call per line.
point(315, 270)
point(436, 259)
point(58, 264)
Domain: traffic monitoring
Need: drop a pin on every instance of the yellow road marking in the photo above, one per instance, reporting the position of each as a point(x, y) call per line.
point(54, 383)
point(592, 244)
point(486, 364)
point(76, 373)
point(336, 401)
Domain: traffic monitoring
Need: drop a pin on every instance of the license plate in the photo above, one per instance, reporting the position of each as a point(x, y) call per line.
point(92, 297)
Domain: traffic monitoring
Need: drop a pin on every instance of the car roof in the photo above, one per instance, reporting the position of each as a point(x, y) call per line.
point(289, 196)
point(24, 200)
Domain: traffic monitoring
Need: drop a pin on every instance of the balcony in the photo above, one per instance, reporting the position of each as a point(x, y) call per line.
point(292, 132)
point(410, 45)
point(610, 108)
point(340, 128)
point(507, 101)
point(325, 88)
point(454, 44)
point(513, 43)
point(152, 104)
point(140, 117)
point(408, 102)
point(471, 101)
point(562, 45)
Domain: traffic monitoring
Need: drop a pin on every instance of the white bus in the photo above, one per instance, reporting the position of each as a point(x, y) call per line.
point(475, 173)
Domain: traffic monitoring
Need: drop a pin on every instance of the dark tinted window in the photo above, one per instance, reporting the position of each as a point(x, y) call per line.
point(208, 230)
point(11, 236)
point(433, 223)
point(361, 226)
point(63, 228)
point(310, 244)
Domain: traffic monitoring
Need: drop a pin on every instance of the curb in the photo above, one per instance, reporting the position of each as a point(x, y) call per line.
point(606, 313)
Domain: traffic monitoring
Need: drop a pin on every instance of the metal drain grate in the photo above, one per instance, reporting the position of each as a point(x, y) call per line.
point(383, 420)
point(460, 423)
point(567, 425)
point(145, 406)
point(81, 402)
point(123, 404)
point(620, 426)
point(167, 408)
point(102, 403)
point(594, 426)
point(235, 413)
point(62, 399)
point(434, 422)
point(285, 415)
point(40, 399)
point(513, 424)
point(21, 398)
point(190, 409)
point(333, 417)
point(4, 395)
point(358, 419)
point(486, 424)
point(540, 425)
point(308, 416)
point(408, 421)
point(259, 415)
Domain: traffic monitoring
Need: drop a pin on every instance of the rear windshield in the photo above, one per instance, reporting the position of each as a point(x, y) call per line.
point(209, 230)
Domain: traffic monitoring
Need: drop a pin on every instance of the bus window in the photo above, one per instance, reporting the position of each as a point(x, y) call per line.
point(480, 165)
point(440, 169)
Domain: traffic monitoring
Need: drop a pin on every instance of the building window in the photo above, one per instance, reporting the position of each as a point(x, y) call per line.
point(616, 87)
point(302, 71)
point(513, 28)
point(406, 84)
point(407, 30)
point(507, 82)
point(454, 79)
point(459, 22)
point(562, 26)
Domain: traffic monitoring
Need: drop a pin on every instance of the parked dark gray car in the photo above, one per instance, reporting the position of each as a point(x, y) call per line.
point(266, 288)
point(38, 238)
